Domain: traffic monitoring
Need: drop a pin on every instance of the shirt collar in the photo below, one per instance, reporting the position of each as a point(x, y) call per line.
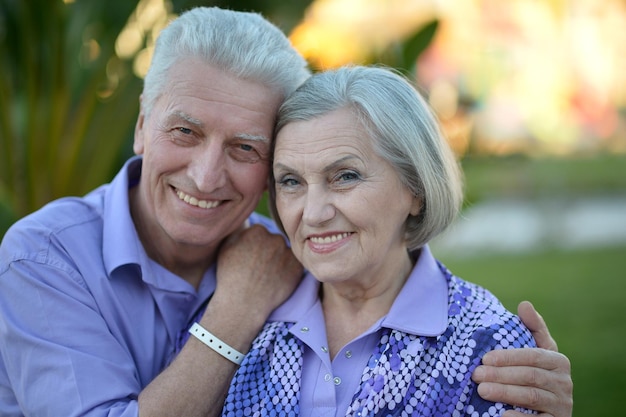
point(421, 308)
point(121, 245)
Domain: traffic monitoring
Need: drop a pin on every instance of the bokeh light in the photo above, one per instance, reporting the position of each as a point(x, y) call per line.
point(136, 41)
point(519, 76)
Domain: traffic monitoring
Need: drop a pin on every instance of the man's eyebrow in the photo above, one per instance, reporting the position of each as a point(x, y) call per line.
point(256, 138)
point(179, 115)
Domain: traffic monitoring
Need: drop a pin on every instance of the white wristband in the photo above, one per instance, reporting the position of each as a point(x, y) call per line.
point(216, 344)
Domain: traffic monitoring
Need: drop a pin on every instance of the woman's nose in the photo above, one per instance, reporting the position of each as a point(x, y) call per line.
point(318, 208)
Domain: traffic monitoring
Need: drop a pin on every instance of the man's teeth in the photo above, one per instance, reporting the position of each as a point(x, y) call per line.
point(195, 202)
point(330, 239)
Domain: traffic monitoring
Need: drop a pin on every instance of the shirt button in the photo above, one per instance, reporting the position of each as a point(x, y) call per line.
point(348, 354)
point(337, 380)
point(327, 377)
point(304, 329)
point(324, 349)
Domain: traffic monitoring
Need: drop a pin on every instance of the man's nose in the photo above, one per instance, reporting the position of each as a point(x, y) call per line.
point(208, 167)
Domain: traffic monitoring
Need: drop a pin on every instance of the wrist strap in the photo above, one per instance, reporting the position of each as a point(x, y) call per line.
point(216, 344)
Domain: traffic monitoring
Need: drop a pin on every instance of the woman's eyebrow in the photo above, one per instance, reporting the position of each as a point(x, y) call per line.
point(328, 168)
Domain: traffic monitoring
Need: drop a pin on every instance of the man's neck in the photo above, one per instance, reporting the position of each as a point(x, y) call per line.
point(190, 262)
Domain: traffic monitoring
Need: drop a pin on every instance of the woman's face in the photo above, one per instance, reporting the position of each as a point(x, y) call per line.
point(343, 207)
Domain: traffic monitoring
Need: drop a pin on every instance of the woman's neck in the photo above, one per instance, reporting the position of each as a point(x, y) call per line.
point(351, 309)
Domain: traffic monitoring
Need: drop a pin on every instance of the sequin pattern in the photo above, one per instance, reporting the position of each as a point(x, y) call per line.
point(268, 380)
point(407, 374)
point(410, 375)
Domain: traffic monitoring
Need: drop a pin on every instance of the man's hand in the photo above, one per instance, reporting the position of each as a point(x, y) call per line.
point(535, 378)
point(257, 271)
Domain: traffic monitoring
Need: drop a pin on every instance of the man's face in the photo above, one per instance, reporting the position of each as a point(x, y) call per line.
point(206, 150)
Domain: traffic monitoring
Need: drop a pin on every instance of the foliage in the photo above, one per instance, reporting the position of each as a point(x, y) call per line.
point(68, 103)
point(403, 54)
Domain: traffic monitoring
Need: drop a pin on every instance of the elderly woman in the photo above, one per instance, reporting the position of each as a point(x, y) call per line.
point(362, 180)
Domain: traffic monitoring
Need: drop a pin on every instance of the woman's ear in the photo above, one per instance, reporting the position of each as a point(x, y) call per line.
point(416, 206)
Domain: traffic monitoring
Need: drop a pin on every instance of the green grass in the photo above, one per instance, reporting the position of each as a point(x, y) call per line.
point(519, 176)
point(581, 296)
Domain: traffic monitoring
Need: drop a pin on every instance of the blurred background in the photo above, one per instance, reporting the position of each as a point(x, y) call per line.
point(531, 95)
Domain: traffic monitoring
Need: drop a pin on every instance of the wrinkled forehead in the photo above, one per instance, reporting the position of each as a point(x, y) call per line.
point(202, 92)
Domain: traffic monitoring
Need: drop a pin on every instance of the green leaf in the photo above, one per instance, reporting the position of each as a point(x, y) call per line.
point(413, 47)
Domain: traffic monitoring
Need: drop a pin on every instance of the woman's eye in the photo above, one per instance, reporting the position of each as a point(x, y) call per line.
point(347, 176)
point(288, 181)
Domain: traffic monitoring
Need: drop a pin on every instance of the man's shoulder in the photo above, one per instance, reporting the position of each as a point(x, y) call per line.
point(67, 218)
point(269, 224)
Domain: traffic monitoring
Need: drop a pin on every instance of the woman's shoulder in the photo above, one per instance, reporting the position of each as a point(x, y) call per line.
point(474, 308)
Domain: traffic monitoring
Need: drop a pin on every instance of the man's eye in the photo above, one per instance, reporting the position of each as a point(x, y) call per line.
point(244, 152)
point(185, 130)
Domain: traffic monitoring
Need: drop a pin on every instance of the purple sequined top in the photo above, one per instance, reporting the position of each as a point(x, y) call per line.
point(415, 361)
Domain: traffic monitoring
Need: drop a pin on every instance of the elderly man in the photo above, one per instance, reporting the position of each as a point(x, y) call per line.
point(95, 290)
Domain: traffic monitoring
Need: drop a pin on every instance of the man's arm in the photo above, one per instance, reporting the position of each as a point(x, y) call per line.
point(535, 378)
point(256, 272)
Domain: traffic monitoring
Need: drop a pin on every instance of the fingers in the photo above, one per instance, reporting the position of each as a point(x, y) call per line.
point(531, 357)
point(519, 375)
point(535, 323)
point(513, 413)
point(545, 402)
point(532, 398)
point(256, 267)
point(533, 378)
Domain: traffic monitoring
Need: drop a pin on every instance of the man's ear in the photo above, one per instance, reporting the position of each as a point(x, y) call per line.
point(138, 143)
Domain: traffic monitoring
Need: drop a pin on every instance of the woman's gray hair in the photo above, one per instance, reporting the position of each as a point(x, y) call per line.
point(242, 43)
point(404, 131)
